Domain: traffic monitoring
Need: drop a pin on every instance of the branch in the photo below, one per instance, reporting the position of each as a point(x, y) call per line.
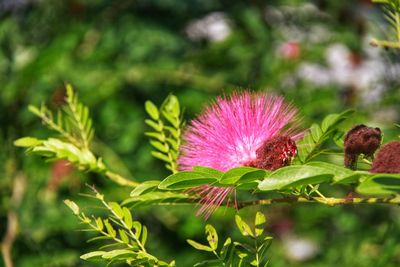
point(120, 180)
point(385, 44)
point(12, 219)
point(329, 201)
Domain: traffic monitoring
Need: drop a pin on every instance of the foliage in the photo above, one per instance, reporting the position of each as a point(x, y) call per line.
point(126, 237)
point(391, 10)
point(166, 139)
point(309, 146)
point(74, 127)
point(123, 53)
point(252, 253)
point(301, 181)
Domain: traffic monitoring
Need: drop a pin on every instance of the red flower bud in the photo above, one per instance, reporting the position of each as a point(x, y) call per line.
point(360, 140)
point(388, 159)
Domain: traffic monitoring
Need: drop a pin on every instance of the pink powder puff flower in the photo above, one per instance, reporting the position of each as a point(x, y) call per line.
point(244, 129)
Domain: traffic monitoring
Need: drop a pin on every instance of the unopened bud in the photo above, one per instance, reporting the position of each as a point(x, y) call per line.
point(388, 159)
point(360, 140)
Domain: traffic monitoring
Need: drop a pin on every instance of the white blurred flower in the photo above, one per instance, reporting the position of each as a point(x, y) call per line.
point(314, 73)
point(299, 249)
point(214, 27)
point(338, 57)
point(368, 76)
point(23, 56)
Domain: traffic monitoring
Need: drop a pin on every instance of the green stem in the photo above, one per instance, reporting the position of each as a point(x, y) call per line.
point(120, 180)
point(141, 246)
point(48, 121)
point(317, 191)
point(385, 44)
point(94, 227)
point(256, 246)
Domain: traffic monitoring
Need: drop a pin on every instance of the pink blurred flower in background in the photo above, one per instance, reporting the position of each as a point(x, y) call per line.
point(290, 50)
point(244, 129)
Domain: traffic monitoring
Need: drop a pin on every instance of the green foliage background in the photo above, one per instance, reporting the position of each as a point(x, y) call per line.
point(118, 54)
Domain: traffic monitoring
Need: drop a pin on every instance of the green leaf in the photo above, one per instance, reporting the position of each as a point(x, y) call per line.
point(174, 131)
point(144, 235)
point(173, 143)
point(72, 205)
point(185, 180)
point(123, 236)
point(212, 236)
point(138, 228)
point(244, 228)
point(341, 175)
point(171, 119)
point(332, 120)
point(253, 177)
point(154, 125)
point(109, 228)
point(199, 246)
point(380, 184)
point(116, 208)
point(225, 248)
point(27, 142)
point(145, 187)
point(293, 176)
point(127, 217)
point(171, 105)
point(247, 186)
point(118, 254)
point(233, 175)
point(217, 174)
point(155, 135)
point(208, 263)
point(99, 223)
point(159, 146)
point(34, 110)
point(152, 110)
point(307, 147)
point(316, 132)
point(160, 155)
point(94, 255)
point(259, 223)
point(98, 238)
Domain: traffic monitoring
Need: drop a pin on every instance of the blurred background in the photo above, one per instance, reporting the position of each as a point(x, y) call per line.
point(118, 54)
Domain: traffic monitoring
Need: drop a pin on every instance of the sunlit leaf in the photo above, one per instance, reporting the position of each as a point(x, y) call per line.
point(380, 184)
point(144, 187)
point(243, 226)
point(212, 236)
point(27, 142)
point(152, 110)
point(199, 246)
point(94, 255)
point(233, 175)
point(292, 176)
point(185, 180)
point(72, 205)
point(259, 223)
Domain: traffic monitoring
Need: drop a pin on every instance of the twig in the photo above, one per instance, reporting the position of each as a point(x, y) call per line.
point(12, 219)
point(385, 44)
point(120, 180)
point(330, 201)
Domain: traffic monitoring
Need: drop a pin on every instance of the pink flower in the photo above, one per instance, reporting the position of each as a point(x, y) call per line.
point(290, 50)
point(244, 129)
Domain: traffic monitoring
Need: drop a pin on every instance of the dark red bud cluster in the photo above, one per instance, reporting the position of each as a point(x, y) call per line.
point(388, 159)
point(360, 140)
point(275, 153)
